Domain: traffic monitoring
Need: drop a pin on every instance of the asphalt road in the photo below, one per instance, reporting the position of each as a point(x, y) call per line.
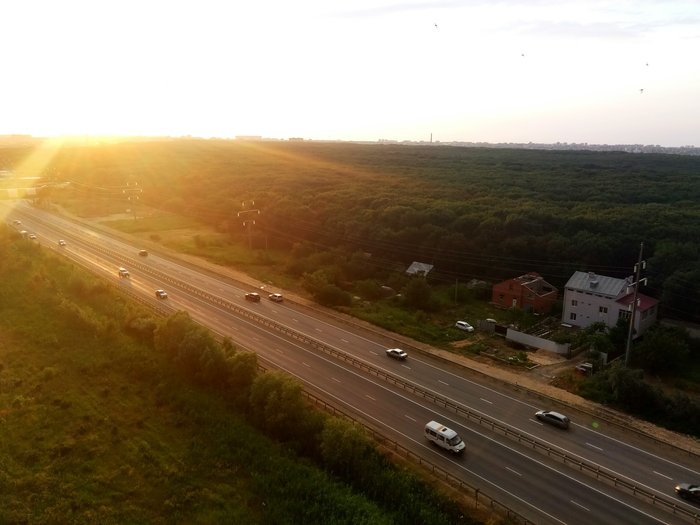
point(540, 488)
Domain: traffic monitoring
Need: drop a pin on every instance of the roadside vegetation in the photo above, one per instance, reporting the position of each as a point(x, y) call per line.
point(111, 415)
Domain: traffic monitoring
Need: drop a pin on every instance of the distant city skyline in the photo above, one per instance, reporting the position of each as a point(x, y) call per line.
point(504, 71)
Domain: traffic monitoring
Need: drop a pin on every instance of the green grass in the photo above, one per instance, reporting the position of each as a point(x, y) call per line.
point(96, 426)
point(153, 224)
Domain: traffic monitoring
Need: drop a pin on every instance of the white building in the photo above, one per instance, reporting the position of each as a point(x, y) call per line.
point(589, 298)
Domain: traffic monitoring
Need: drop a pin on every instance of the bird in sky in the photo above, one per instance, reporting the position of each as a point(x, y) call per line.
point(647, 63)
point(436, 28)
point(522, 55)
point(641, 91)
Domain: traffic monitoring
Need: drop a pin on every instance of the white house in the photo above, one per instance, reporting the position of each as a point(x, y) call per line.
point(589, 298)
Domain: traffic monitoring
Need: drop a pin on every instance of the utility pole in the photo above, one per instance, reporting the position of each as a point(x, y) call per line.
point(249, 222)
point(638, 269)
point(132, 195)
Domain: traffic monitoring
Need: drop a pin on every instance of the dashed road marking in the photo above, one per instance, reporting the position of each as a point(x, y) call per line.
point(344, 341)
point(370, 397)
point(409, 417)
point(441, 381)
point(662, 475)
point(514, 472)
point(309, 366)
point(579, 505)
point(406, 366)
point(486, 401)
point(375, 353)
point(336, 380)
point(597, 448)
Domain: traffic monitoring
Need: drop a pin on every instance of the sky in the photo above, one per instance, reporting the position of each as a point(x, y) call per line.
point(464, 70)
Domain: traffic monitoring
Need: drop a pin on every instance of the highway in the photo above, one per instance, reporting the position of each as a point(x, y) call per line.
point(540, 488)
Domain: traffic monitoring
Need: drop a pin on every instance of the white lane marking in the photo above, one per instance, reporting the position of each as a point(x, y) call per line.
point(345, 341)
point(309, 366)
point(406, 366)
point(535, 421)
point(236, 329)
point(274, 311)
point(594, 446)
point(579, 505)
point(409, 417)
point(258, 340)
point(319, 330)
point(295, 320)
point(514, 472)
point(336, 380)
point(375, 353)
point(280, 351)
point(370, 397)
point(486, 401)
point(662, 475)
point(441, 381)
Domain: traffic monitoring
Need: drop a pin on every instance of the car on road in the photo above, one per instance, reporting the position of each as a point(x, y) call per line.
point(143, 253)
point(444, 437)
point(160, 294)
point(123, 272)
point(16, 222)
point(61, 242)
point(553, 418)
point(396, 353)
point(252, 296)
point(276, 297)
point(463, 325)
point(32, 236)
point(688, 491)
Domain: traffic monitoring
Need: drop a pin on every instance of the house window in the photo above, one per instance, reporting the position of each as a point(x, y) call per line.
point(530, 296)
point(574, 302)
point(572, 317)
point(602, 309)
point(510, 286)
point(645, 314)
point(624, 314)
point(501, 297)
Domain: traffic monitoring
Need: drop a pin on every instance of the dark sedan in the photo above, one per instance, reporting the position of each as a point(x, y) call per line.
point(688, 491)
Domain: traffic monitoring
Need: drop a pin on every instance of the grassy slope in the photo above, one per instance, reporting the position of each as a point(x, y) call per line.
point(96, 428)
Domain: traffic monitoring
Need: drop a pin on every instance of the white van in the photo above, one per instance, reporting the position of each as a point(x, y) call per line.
point(444, 437)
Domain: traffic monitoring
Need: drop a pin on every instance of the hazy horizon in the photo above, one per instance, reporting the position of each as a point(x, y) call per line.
point(471, 71)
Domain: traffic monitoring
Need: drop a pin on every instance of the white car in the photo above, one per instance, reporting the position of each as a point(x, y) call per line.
point(32, 236)
point(489, 320)
point(16, 222)
point(463, 325)
point(276, 297)
point(396, 353)
point(160, 294)
point(61, 242)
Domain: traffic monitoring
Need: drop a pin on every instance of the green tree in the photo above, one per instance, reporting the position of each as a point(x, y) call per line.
point(663, 349)
point(171, 332)
point(418, 293)
point(277, 404)
point(196, 343)
point(243, 370)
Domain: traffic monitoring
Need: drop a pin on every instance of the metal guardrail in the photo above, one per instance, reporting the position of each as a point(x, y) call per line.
point(461, 366)
point(593, 470)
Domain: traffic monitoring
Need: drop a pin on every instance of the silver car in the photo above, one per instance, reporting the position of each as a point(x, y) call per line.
point(553, 418)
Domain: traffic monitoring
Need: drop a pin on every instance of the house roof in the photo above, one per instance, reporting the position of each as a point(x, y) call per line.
point(643, 301)
point(600, 284)
point(418, 267)
point(535, 283)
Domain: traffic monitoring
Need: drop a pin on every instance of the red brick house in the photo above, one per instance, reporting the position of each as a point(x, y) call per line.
point(529, 292)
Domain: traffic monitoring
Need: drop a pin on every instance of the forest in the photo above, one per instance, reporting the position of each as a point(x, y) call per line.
point(471, 212)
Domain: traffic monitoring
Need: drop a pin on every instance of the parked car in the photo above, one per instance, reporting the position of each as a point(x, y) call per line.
point(584, 368)
point(276, 297)
point(143, 253)
point(252, 296)
point(160, 294)
point(463, 325)
point(553, 418)
point(688, 491)
point(396, 353)
point(61, 242)
point(32, 236)
point(489, 320)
